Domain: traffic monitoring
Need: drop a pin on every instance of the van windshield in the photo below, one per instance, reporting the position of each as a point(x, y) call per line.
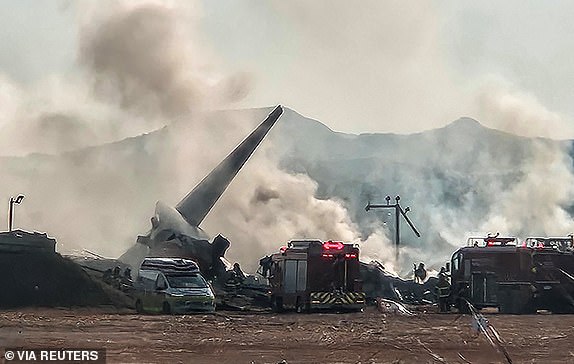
point(186, 281)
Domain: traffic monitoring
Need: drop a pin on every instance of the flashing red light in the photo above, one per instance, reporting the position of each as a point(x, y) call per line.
point(283, 249)
point(327, 255)
point(350, 256)
point(330, 245)
point(490, 243)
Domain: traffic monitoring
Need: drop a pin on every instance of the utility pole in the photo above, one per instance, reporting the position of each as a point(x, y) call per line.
point(398, 212)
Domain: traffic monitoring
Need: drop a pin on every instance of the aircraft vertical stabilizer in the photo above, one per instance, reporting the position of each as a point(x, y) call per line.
point(196, 205)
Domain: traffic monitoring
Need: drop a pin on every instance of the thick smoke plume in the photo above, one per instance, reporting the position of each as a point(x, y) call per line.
point(140, 70)
point(266, 207)
point(142, 66)
point(142, 60)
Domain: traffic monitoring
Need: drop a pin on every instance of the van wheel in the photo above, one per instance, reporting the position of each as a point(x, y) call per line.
point(277, 304)
point(166, 309)
point(139, 306)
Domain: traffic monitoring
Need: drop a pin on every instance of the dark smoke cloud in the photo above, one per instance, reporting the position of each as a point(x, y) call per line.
point(142, 70)
point(140, 59)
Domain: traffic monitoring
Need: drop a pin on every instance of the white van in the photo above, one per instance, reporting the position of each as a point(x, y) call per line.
point(172, 285)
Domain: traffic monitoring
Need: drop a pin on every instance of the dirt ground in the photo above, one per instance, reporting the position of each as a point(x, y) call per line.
point(227, 337)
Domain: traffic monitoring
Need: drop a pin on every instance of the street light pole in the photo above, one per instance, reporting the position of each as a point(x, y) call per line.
point(13, 201)
point(397, 228)
point(398, 212)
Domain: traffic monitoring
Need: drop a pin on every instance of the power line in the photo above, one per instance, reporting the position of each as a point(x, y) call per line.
point(398, 212)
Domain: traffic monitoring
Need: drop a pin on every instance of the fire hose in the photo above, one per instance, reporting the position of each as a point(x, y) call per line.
point(493, 338)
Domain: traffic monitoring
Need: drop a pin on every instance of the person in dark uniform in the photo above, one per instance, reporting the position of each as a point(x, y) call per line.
point(420, 273)
point(443, 291)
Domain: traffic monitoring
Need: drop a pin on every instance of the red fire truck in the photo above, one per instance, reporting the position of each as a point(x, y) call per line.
point(515, 277)
point(311, 274)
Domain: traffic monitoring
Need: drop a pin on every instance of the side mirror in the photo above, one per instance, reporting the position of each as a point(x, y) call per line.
point(447, 266)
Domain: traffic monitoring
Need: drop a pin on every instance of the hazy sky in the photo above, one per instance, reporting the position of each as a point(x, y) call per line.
point(358, 66)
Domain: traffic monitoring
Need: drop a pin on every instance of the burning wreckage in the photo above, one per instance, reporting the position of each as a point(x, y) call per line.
point(175, 232)
point(306, 274)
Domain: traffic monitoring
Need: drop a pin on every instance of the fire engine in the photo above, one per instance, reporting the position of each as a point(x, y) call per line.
point(515, 277)
point(311, 274)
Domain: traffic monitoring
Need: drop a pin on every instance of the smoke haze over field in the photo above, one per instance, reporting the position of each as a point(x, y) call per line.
point(382, 66)
point(140, 70)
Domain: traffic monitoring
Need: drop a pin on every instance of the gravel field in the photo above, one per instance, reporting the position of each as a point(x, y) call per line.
point(231, 337)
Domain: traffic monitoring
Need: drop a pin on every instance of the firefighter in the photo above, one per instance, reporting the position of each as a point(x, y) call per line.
point(443, 291)
point(420, 273)
point(442, 273)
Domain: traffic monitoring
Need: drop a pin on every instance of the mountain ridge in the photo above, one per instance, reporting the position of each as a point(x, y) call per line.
point(453, 179)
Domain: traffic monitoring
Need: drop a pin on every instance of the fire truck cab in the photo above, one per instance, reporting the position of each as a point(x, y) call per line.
point(311, 274)
point(517, 278)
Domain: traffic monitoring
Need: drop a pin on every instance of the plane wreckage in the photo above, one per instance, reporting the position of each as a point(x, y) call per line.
point(175, 232)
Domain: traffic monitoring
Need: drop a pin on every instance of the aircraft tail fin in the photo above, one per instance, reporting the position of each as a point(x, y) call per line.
point(197, 204)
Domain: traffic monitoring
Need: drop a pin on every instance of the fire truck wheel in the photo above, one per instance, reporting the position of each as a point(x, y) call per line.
point(277, 304)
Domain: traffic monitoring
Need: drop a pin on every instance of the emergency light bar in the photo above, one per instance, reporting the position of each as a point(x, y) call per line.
point(330, 245)
point(491, 241)
point(347, 256)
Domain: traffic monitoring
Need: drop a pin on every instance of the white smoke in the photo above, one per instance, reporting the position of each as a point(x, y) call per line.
point(141, 69)
point(138, 70)
point(265, 207)
point(536, 203)
point(500, 105)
